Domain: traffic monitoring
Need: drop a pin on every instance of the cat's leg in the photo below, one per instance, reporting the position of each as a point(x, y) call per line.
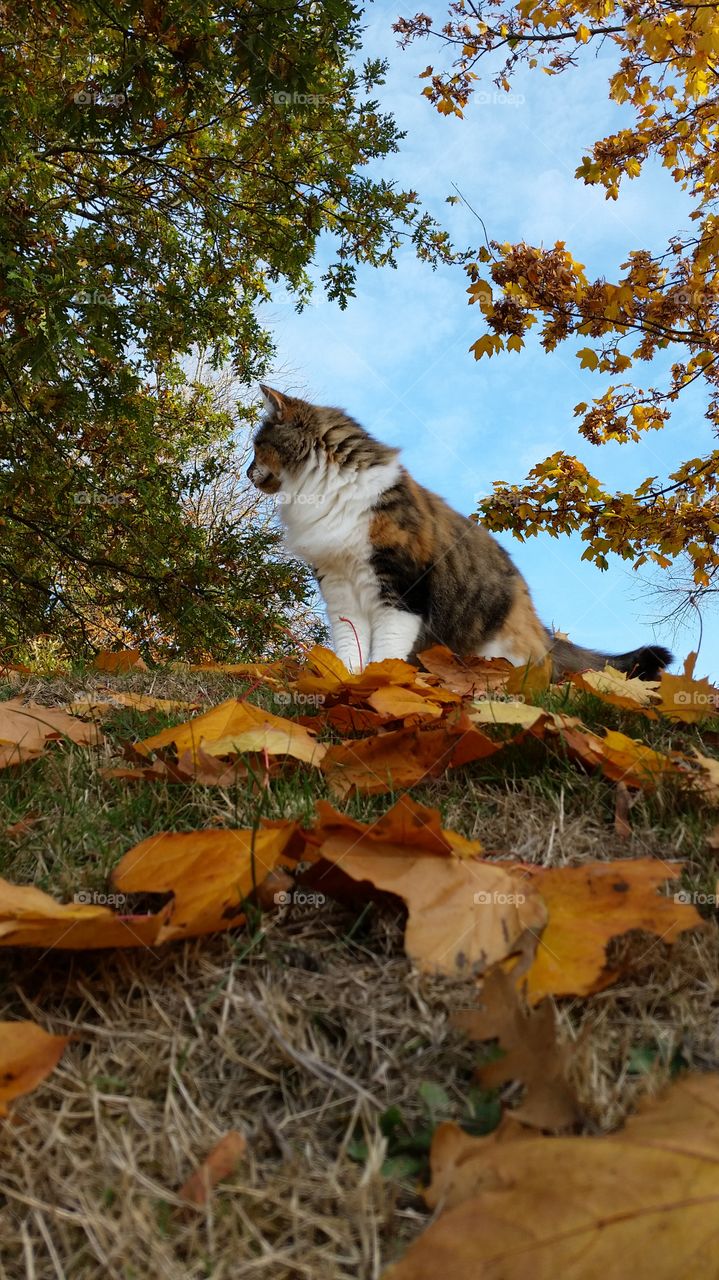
point(349, 621)
point(394, 633)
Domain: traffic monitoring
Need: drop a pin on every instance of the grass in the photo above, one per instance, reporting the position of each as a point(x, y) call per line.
point(308, 1031)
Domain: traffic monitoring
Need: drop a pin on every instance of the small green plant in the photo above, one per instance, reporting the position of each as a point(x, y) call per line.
point(409, 1142)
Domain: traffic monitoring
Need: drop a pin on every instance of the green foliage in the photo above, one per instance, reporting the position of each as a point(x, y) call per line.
point(162, 167)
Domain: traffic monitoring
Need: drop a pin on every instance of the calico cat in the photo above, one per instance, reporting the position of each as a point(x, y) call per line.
point(399, 570)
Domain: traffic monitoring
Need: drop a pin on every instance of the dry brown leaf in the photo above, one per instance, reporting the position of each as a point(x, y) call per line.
point(27, 727)
point(589, 905)
point(619, 757)
point(706, 781)
point(466, 676)
point(28, 1053)
point(622, 808)
point(236, 721)
point(532, 1052)
point(291, 739)
point(103, 701)
point(464, 914)
point(640, 1202)
point(398, 759)
point(218, 1163)
point(453, 1161)
point(619, 689)
point(31, 918)
point(347, 719)
point(398, 702)
point(200, 767)
point(119, 660)
point(684, 698)
point(209, 873)
point(22, 826)
point(529, 681)
point(490, 711)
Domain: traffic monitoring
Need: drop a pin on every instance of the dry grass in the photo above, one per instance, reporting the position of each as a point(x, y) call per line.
point(301, 1034)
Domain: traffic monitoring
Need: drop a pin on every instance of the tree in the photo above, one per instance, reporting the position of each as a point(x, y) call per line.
point(162, 166)
point(667, 64)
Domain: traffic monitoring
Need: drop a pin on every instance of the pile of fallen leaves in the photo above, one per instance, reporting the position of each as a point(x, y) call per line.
point(518, 932)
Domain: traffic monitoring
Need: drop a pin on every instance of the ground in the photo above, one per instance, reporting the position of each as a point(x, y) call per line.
point(308, 1031)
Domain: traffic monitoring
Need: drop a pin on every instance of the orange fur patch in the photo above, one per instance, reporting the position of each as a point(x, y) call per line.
point(522, 637)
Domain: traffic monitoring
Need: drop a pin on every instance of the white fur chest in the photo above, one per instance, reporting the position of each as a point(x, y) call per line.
point(326, 512)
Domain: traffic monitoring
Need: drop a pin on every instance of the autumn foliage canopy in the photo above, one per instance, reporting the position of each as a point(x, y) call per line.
point(665, 74)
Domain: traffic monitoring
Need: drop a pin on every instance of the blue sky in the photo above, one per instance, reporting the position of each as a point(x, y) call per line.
point(397, 358)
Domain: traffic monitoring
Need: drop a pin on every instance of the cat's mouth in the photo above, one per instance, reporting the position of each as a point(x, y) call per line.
point(263, 479)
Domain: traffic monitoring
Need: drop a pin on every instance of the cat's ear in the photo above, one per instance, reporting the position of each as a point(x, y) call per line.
point(275, 402)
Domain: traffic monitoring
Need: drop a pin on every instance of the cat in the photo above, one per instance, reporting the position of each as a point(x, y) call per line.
point(398, 568)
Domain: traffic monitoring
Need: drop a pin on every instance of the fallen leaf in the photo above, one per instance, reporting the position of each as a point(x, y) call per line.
point(622, 806)
point(684, 698)
point(488, 711)
point(103, 701)
point(119, 660)
point(218, 1164)
point(532, 679)
point(398, 702)
point(290, 739)
point(200, 767)
point(22, 826)
point(453, 1160)
point(28, 1053)
point(398, 759)
point(532, 1052)
point(209, 873)
point(348, 719)
point(466, 676)
point(591, 904)
point(228, 722)
point(638, 1202)
point(464, 914)
point(31, 918)
point(27, 727)
point(619, 689)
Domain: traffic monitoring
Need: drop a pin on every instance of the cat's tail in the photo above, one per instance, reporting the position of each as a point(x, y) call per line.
point(645, 663)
